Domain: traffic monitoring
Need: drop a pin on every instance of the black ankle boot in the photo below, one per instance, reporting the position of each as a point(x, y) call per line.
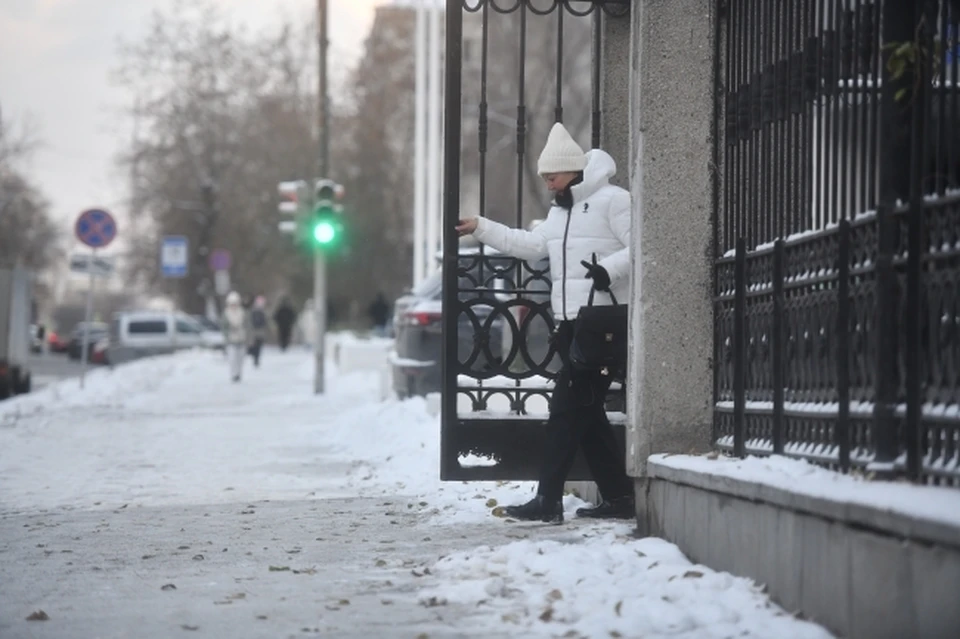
point(618, 508)
point(536, 509)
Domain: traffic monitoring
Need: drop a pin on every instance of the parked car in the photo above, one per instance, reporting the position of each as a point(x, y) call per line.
point(56, 343)
point(417, 322)
point(97, 331)
point(136, 334)
point(212, 332)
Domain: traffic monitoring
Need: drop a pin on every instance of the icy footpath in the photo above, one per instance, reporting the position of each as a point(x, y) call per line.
point(165, 501)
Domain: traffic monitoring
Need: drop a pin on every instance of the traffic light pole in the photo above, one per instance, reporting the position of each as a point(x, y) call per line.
point(319, 260)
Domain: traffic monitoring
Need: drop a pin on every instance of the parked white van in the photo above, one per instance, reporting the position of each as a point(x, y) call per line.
point(137, 334)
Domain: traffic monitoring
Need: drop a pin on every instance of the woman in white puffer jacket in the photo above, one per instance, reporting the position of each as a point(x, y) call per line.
point(589, 216)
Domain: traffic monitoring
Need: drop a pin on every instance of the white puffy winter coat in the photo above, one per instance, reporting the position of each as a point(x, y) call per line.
point(598, 222)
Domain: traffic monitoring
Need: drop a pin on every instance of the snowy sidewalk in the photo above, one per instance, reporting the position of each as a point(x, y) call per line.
point(164, 501)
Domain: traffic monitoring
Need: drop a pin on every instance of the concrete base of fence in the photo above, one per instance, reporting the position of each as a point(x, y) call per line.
point(860, 581)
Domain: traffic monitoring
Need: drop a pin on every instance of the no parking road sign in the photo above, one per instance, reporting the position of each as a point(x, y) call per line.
point(96, 228)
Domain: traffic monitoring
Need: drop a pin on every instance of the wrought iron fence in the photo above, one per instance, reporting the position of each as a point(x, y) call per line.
point(837, 231)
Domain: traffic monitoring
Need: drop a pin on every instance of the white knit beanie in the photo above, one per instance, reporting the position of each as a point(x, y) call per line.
point(561, 153)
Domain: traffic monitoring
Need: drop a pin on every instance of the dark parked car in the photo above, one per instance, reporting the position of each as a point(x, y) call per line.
point(417, 325)
point(98, 331)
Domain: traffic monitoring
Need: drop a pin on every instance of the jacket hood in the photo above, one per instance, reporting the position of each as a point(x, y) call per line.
point(600, 168)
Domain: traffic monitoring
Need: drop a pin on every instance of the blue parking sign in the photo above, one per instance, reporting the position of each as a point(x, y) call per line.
point(174, 256)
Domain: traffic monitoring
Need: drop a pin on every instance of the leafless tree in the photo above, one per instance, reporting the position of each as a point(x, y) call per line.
point(222, 116)
point(27, 232)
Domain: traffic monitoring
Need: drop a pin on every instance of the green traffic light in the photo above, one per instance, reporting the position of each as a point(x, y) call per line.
point(324, 232)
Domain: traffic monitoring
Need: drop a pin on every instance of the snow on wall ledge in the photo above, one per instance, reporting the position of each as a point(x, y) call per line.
point(926, 513)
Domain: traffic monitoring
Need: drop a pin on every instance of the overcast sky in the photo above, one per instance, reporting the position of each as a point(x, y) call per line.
point(55, 62)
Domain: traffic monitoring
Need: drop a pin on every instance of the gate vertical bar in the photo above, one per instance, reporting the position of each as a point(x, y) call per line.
point(778, 347)
point(596, 84)
point(451, 213)
point(483, 129)
point(558, 106)
point(842, 432)
point(521, 113)
point(740, 349)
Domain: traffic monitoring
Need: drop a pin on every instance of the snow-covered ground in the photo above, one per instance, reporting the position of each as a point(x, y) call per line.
point(174, 432)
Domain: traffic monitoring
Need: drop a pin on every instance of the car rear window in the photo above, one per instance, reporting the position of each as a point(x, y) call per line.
point(147, 327)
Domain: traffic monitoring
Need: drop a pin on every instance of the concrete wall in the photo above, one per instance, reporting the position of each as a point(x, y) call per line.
point(869, 575)
point(671, 137)
point(615, 94)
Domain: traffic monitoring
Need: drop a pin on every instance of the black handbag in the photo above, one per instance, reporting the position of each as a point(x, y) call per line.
point(600, 338)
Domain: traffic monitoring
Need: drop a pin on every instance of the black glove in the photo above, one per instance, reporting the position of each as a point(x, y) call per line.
point(599, 275)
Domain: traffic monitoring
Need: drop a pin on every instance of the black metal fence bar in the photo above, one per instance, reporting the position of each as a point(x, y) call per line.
point(837, 318)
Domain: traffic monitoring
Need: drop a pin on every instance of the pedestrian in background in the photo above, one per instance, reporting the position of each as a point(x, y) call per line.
point(379, 312)
point(258, 322)
point(237, 333)
point(284, 316)
point(589, 217)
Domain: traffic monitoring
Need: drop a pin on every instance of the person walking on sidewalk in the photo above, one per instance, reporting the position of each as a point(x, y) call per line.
point(237, 333)
point(588, 216)
point(258, 322)
point(284, 316)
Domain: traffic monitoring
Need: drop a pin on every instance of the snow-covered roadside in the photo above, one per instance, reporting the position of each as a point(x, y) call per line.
point(175, 431)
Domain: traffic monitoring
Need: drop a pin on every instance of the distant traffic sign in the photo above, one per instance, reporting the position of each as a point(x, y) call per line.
point(220, 260)
point(96, 228)
point(174, 256)
point(94, 265)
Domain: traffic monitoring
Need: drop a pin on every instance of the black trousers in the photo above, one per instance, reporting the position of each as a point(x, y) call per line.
point(578, 421)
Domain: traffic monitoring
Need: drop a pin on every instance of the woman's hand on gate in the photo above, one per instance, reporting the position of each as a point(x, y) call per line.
point(467, 226)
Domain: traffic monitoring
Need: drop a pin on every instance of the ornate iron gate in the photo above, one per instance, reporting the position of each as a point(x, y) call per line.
point(838, 234)
point(540, 61)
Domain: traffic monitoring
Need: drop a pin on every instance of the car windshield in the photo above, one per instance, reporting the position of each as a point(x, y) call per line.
point(95, 327)
point(206, 322)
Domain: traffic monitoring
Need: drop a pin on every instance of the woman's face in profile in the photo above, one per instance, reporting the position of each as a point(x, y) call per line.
point(556, 182)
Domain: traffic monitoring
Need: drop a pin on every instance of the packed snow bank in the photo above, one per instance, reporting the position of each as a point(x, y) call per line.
point(930, 503)
point(601, 582)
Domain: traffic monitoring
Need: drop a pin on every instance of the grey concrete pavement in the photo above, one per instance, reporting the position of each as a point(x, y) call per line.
point(52, 367)
point(324, 568)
